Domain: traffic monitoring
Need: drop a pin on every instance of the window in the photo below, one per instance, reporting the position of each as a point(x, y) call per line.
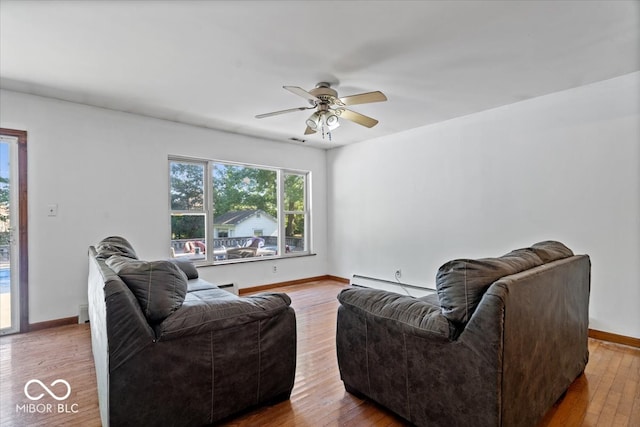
point(222, 211)
point(188, 211)
point(294, 211)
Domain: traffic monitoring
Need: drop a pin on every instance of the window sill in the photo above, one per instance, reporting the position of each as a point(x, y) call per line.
point(251, 259)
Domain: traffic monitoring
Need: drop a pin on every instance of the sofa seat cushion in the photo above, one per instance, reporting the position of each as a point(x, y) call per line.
point(461, 283)
point(551, 251)
point(214, 309)
point(115, 245)
point(159, 286)
point(199, 285)
point(431, 298)
point(411, 314)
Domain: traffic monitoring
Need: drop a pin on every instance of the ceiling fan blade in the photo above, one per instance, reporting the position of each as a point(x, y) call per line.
point(358, 118)
point(364, 98)
point(275, 113)
point(309, 131)
point(303, 93)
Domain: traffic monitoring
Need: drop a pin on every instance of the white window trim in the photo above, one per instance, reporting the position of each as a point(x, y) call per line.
point(208, 210)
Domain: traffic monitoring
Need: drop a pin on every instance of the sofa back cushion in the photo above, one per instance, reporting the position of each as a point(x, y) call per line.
point(187, 267)
point(115, 245)
point(550, 250)
point(159, 286)
point(461, 283)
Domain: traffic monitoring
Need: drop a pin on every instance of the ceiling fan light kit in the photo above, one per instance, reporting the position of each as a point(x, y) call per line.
point(313, 121)
point(329, 108)
point(331, 121)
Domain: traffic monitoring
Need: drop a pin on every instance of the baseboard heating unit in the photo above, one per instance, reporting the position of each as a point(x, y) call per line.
point(230, 287)
point(389, 285)
point(83, 314)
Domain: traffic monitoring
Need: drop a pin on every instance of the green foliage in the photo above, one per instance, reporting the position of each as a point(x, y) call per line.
point(238, 188)
point(4, 199)
point(294, 201)
point(187, 227)
point(187, 186)
point(4, 191)
point(235, 188)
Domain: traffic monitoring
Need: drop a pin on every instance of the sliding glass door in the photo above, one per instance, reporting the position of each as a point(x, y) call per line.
point(13, 236)
point(9, 291)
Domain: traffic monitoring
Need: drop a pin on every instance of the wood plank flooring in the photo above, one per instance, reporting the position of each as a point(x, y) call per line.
point(608, 394)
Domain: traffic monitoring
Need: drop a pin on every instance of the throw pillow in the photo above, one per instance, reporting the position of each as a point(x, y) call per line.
point(159, 286)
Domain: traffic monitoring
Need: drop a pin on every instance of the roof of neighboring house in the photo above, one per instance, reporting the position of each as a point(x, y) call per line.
point(236, 217)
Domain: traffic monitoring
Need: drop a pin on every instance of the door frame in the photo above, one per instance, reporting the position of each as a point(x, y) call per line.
point(23, 240)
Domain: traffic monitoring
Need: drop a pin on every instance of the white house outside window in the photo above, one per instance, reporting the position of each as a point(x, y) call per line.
point(223, 212)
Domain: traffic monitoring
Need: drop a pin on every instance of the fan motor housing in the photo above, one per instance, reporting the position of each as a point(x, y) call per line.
point(324, 92)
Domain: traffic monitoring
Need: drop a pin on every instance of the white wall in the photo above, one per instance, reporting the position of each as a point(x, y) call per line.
point(563, 166)
point(108, 173)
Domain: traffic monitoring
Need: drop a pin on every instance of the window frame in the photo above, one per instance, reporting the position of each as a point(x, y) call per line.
point(208, 208)
point(305, 211)
point(183, 212)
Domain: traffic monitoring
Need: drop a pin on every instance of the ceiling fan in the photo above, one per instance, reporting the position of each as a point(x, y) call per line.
point(330, 108)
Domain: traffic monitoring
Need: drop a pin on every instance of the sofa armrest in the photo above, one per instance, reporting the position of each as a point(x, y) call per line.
point(214, 309)
point(399, 312)
point(421, 374)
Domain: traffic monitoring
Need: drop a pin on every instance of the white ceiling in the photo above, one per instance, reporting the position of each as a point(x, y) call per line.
point(219, 63)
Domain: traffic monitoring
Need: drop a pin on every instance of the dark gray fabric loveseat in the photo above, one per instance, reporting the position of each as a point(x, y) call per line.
point(171, 349)
point(497, 345)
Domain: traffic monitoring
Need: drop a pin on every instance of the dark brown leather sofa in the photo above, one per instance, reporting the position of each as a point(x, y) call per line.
point(173, 350)
point(497, 345)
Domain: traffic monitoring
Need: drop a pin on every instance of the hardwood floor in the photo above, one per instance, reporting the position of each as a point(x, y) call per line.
point(608, 394)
